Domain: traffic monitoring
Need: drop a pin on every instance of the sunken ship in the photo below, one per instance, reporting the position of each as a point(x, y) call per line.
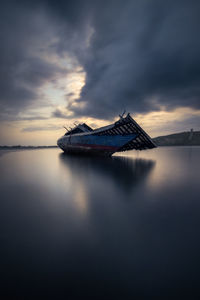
point(125, 134)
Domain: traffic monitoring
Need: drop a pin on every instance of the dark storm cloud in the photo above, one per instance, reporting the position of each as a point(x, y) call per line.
point(137, 54)
point(142, 54)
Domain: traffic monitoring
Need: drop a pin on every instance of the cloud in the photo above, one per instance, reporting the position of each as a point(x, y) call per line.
point(70, 94)
point(143, 55)
point(40, 128)
point(33, 118)
point(59, 114)
point(139, 55)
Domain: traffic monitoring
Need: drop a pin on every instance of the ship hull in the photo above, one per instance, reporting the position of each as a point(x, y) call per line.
point(94, 144)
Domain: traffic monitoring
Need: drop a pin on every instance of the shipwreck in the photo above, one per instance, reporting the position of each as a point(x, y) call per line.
point(125, 134)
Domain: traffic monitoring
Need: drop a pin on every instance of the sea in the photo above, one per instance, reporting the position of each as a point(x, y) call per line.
point(75, 227)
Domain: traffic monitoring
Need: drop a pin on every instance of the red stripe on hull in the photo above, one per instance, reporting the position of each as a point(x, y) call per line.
point(101, 147)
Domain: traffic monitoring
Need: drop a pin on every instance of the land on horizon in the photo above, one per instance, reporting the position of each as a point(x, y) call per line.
point(187, 138)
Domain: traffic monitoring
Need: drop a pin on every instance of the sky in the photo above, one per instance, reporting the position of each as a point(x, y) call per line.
point(88, 61)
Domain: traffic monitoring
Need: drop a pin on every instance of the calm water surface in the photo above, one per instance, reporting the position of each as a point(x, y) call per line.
point(93, 228)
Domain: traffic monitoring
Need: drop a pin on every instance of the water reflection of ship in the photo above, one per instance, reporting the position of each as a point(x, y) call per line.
point(126, 172)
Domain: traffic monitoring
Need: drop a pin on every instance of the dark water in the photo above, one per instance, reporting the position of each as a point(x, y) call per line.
point(89, 228)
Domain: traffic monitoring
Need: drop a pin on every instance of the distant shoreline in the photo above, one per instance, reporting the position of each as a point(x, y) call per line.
point(188, 138)
point(25, 147)
point(8, 149)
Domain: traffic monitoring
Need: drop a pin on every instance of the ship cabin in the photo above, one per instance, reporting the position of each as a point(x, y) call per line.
point(80, 128)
